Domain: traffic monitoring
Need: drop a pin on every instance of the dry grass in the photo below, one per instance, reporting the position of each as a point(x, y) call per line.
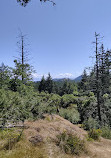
point(100, 149)
point(52, 126)
point(48, 129)
point(24, 149)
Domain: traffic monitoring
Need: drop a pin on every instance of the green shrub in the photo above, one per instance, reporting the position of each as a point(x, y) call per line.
point(71, 144)
point(106, 132)
point(94, 134)
point(10, 137)
point(71, 115)
point(68, 99)
point(90, 124)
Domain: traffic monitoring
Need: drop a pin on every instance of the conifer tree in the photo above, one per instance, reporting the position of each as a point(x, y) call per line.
point(42, 85)
point(49, 84)
point(5, 76)
point(84, 81)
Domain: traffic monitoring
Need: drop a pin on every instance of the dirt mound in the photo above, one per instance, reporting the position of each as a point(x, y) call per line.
point(52, 125)
point(39, 141)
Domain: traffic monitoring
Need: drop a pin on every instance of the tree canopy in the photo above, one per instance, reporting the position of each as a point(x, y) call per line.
point(25, 2)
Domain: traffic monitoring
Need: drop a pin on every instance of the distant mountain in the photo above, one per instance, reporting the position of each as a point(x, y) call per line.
point(60, 79)
point(78, 79)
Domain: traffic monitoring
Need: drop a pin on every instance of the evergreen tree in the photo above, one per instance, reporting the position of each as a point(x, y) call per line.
point(5, 76)
point(42, 85)
point(67, 88)
point(84, 82)
point(55, 88)
point(49, 84)
point(99, 82)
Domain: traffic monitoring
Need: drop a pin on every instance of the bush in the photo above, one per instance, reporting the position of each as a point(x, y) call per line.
point(94, 134)
point(106, 132)
point(10, 137)
point(71, 115)
point(71, 144)
point(90, 124)
point(68, 99)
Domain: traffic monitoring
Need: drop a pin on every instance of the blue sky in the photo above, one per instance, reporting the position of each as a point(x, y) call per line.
point(60, 38)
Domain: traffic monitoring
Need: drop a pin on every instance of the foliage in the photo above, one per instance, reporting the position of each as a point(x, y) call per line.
point(71, 144)
point(22, 72)
point(106, 132)
point(5, 75)
point(68, 99)
point(12, 107)
point(42, 85)
point(47, 85)
point(106, 111)
point(84, 82)
point(90, 124)
point(88, 102)
point(94, 134)
point(10, 137)
point(25, 2)
point(61, 87)
point(70, 114)
point(67, 88)
point(87, 108)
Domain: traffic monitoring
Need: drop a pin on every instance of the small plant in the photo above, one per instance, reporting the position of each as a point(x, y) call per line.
point(106, 132)
point(94, 134)
point(48, 118)
point(71, 144)
point(89, 139)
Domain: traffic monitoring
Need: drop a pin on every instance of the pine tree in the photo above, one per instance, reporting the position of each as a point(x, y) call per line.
point(84, 82)
point(49, 84)
point(67, 88)
point(5, 76)
point(42, 85)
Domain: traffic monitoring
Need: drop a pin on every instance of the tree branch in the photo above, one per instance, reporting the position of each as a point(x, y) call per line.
point(25, 2)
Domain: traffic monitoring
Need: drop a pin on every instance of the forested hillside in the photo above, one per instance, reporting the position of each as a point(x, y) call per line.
point(89, 99)
point(45, 112)
point(87, 102)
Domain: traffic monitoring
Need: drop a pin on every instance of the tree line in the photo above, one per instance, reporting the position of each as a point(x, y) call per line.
point(99, 81)
point(90, 99)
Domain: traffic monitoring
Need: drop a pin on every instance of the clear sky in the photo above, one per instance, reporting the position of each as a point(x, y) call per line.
point(60, 38)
